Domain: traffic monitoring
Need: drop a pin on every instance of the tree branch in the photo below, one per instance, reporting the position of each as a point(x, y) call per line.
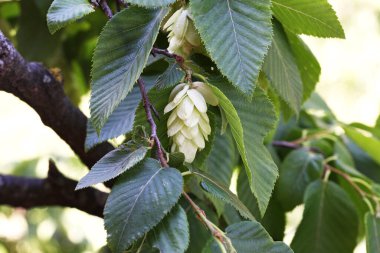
point(55, 190)
point(37, 87)
point(153, 126)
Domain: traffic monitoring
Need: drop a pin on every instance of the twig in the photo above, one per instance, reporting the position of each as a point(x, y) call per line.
point(347, 178)
point(153, 126)
point(202, 216)
point(286, 144)
point(105, 8)
point(179, 59)
point(294, 145)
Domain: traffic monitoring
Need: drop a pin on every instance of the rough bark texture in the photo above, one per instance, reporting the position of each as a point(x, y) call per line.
point(55, 190)
point(36, 86)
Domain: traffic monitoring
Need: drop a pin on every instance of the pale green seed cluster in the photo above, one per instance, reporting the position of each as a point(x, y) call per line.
point(183, 36)
point(188, 123)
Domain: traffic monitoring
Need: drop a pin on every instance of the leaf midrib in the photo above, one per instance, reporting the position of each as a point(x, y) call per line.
point(305, 14)
point(241, 65)
point(134, 204)
point(320, 216)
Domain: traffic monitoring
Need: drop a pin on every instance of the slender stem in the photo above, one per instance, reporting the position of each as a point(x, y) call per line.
point(293, 145)
point(216, 232)
point(179, 59)
point(105, 8)
point(153, 126)
point(347, 178)
point(311, 137)
point(286, 144)
point(186, 173)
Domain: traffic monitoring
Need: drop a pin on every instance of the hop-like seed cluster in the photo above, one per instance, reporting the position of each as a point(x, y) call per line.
point(183, 36)
point(188, 123)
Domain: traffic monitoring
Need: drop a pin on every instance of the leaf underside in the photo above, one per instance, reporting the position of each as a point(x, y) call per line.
point(120, 56)
point(64, 12)
point(112, 165)
point(122, 118)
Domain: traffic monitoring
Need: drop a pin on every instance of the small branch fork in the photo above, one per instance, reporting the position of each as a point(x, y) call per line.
point(179, 59)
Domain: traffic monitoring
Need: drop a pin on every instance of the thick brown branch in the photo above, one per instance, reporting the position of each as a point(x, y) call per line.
point(36, 86)
point(55, 190)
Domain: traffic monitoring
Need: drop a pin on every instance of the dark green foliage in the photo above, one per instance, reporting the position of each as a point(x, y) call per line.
point(262, 73)
point(329, 223)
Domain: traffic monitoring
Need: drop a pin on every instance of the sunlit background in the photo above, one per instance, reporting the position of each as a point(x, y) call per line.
point(349, 83)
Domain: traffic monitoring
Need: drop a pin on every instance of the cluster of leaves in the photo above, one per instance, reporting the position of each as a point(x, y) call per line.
point(260, 70)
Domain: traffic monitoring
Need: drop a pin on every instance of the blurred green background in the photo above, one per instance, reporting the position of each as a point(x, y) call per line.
point(349, 84)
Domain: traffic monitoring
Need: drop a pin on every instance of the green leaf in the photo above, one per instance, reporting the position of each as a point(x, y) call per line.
point(121, 120)
point(308, 65)
point(344, 160)
point(172, 234)
point(212, 247)
point(329, 223)
point(372, 226)
point(363, 162)
point(120, 56)
point(369, 144)
point(297, 171)
point(375, 131)
point(112, 165)
point(250, 122)
point(223, 158)
point(221, 191)
point(172, 75)
point(64, 12)
point(237, 34)
point(151, 3)
point(274, 218)
point(282, 71)
point(251, 237)
point(315, 18)
point(139, 200)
